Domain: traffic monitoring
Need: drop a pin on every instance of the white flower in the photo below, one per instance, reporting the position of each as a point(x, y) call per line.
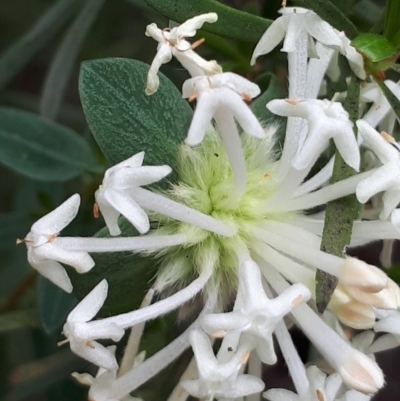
point(101, 385)
point(113, 198)
point(221, 94)
point(387, 177)
point(325, 120)
point(257, 318)
point(221, 97)
point(219, 380)
point(81, 334)
point(291, 25)
point(172, 43)
point(44, 253)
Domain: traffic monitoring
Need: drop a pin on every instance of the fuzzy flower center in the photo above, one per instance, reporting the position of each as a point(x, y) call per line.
point(206, 183)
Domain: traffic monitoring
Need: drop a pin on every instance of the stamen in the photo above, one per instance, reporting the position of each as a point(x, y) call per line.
point(197, 43)
point(219, 334)
point(320, 396)
point(192, 97)
point(245, 357)
point(52, 238)
point(89, 344)
point(292, 102)
point(96, 211)
point(60, 343)
point(246, 97)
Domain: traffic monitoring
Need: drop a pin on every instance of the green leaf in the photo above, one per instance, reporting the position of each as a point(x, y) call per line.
point(391, 98)
point(391, 24)
point(19, 53)
point(13, 225)
point(330, 13)
point(128, 275)
point(231, 23)
point(54, 304)
point(41, 149)
point(374, 47)
point(124, 120)
point(64, 60)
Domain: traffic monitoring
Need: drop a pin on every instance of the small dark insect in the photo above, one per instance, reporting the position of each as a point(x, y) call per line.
point(230, 349)
point(216, 154)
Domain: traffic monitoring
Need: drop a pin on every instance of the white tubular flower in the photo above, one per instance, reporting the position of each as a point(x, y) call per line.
point(113, 197)
point(293, 22)
point(387, 177)
point(101, 385)
point(325, 120)
point(224, 93)
point(44, 254)
point(259, 315)
point(80, 334)
point(172, 43)
point(221, 96)
point(218, 380)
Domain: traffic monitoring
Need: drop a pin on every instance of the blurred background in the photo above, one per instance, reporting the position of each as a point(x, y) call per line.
point(42, 44)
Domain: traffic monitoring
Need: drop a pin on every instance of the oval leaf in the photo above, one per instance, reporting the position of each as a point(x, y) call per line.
point(124, 120)
point(374, 47)
point(54, 305)
point(231, 23)
point(41, 149)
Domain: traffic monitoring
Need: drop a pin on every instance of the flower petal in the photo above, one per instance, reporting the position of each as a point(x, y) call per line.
point(54, 272)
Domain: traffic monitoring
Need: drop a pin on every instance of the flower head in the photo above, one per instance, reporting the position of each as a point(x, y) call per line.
point(44, 253)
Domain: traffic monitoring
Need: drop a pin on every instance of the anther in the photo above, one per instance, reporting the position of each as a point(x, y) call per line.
point(96, 211)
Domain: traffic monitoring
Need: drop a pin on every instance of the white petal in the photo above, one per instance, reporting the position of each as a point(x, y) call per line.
point(54, 272)
point(347, 146)
point(395, 219)
point(390, 199)
point(382, 179)
point(205, 358)
point(88, 308)
point(122, 202)
point(194, 388)
point(95, 353)
point(81, 261)
point(133, 162)
point(164, 55)
point(242, 113)
point(235, 82)
point(295, 26)
point(140, 176)
point(224, 321)
point(280, 394)
point(110, 215)
point(153, 31)
point(374, 141)
point(56, 220)
point(244, 385)
point(270, 39)
point(265, 351)
point(207, 103)
point(322, 31)
point(189, 27)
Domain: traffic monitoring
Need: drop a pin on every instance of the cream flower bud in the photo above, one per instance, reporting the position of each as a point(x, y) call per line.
point(356, 273)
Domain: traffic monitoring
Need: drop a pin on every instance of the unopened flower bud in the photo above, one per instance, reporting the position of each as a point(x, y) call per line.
point(356, 273)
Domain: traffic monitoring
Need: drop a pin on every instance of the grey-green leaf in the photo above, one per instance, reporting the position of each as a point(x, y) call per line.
point(20, 52)
point(54, 305)
point(124, 120)
point(41, 149)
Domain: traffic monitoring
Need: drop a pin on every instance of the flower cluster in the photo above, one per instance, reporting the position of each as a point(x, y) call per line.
point(233, 229)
